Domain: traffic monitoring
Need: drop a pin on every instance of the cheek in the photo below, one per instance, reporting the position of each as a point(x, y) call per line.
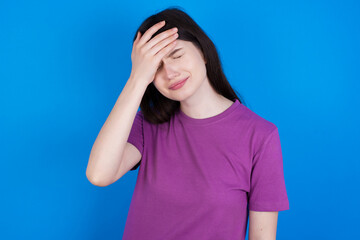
point(157, 84)
point(160, 85)
point(187, 60)
point(194, 61)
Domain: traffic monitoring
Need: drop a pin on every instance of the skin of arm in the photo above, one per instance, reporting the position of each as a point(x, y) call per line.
point(107, 151)
point(262, 225)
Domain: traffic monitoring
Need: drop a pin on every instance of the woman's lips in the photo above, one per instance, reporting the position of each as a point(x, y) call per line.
point(178, 84)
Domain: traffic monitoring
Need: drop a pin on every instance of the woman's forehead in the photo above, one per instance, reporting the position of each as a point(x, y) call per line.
point(184, 44)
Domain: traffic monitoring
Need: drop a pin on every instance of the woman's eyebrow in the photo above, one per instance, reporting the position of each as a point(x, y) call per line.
point(173, 52)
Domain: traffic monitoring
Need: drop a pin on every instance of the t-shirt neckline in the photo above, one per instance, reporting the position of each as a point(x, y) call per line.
point(187, 119)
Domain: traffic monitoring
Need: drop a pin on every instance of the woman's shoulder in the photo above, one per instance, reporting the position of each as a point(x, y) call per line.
point(255, 120)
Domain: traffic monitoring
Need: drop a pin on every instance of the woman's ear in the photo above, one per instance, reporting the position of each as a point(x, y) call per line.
point(203, 58)
point(202, 54)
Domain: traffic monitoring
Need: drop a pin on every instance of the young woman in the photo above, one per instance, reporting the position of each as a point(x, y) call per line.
point(207, 163)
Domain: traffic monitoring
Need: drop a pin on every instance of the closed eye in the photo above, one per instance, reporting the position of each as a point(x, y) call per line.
point(173, 58)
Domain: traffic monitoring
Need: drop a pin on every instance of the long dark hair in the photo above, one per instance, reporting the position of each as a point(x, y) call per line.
point(157, 108)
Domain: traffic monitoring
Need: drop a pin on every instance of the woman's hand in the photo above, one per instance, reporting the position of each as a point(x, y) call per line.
point(146, 55)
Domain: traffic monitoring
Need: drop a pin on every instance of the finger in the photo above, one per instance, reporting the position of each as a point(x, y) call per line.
point(160, 37)
point(136, 39)
point(138, 36)
point(154, 50)
point(147, 35)
point(165, 51)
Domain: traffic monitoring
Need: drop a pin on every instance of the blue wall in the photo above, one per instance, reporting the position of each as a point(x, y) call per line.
point(64, 63)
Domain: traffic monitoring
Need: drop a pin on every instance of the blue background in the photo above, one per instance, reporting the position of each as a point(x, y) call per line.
point(64, 63)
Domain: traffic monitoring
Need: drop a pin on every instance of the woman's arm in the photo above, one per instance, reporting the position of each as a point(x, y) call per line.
point(107, 151)
point(109, 146)
point(262, 225)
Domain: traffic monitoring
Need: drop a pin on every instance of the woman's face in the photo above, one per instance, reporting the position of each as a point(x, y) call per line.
point(186, 62)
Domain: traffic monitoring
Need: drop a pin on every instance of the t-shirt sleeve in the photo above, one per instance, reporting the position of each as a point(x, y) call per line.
point(267, 183)
point(136, 136)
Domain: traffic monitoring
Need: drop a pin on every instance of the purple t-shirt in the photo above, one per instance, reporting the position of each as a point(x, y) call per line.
point(198, 177)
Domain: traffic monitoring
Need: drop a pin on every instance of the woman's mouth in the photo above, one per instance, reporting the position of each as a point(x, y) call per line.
point(178, 85)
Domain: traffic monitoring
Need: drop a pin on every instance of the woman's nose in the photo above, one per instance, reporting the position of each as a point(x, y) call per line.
point(170, 71)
